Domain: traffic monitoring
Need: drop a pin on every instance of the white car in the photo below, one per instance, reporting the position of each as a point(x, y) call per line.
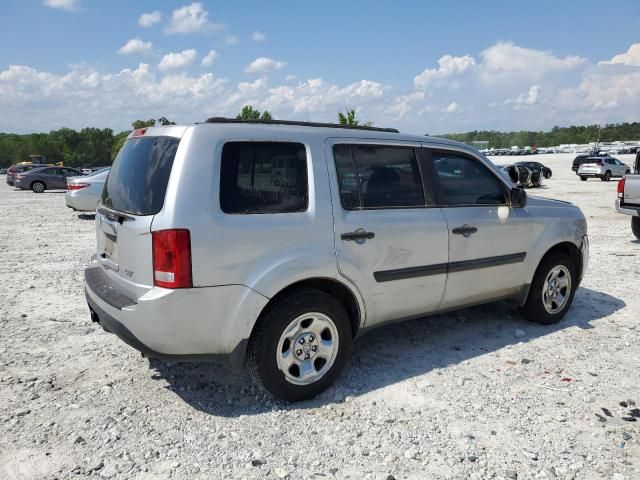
point(274, 245)
point(83, 193)
point(603, 168)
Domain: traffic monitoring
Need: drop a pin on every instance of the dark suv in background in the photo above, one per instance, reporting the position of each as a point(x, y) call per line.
point(47, 178)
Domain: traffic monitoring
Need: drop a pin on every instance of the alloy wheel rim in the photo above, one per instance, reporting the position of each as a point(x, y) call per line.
point(556, 289)
point(38, 187)
point(307, 348)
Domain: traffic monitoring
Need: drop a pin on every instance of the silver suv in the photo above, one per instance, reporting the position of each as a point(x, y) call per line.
point(273, 245)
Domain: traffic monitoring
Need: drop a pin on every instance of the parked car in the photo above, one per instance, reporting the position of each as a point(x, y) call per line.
point(86, 171)
point(603, 168)
point(580, 159)
point(45, 178)
point(546, 171)
point(519, 175)
point(3, 171)
point(206, 249)
point(20, 168)
point(83, 193)
point(628, 201)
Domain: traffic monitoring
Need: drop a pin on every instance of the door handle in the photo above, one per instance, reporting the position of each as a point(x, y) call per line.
point(359, 236)
point(466, 230)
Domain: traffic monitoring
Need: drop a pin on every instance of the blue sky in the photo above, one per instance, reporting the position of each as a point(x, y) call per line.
point(421, 66)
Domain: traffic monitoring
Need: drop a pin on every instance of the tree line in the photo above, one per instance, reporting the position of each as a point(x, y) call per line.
point(92, 147)
point(556, 136)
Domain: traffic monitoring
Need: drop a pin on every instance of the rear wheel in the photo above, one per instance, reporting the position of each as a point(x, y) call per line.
point(583, 178)
point(38, 187)
point(547, 175)
point(552, 290)
point(635, 226)
point(607, 176)
point(300, 345)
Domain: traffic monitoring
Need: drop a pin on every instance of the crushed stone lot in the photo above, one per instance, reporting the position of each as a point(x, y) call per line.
point(479, 393)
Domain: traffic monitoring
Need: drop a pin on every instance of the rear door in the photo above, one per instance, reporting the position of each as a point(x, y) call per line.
point(133, 193)
point(488, 240)
point(390, 241)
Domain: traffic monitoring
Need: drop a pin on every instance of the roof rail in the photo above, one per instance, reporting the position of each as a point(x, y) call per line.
point(302, 124)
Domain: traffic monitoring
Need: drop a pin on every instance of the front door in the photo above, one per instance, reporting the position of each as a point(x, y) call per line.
point(391, 242)
point(488, 240)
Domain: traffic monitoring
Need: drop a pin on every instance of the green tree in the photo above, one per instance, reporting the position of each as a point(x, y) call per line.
point(144, 123)
point(165, 121)
point(250, 113)
point(348, 119)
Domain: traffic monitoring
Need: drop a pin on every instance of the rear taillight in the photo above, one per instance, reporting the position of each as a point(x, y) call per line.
point(621, 188)
point(172, 258)
point(77, 186)
point(139, 132)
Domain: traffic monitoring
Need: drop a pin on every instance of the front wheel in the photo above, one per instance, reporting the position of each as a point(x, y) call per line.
point(38, 187)
point(300, 345)
point(552, 290)
point(635, 226)
point(584, 179)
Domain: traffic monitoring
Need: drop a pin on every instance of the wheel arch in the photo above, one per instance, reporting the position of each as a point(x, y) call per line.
point(345, 295)
point(565, 247)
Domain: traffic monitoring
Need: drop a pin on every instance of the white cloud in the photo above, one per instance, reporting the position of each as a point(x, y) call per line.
point(630, 57)
point(461, 94)
point(258, 36)
point(290, 78)
point(135, 45)
point(178, 59)
point(264, 65)
point(231, 40)
point(453, 107)
point(207, 61)
point(70, 5)
point(447, 67)
point(149, 19)
point(191, 19)
point(505, 57)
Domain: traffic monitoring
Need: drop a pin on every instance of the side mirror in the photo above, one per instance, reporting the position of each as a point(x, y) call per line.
point(518, 198)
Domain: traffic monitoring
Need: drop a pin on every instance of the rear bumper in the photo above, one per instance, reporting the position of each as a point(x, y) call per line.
point(197, 324)
point(627, 209)
point(82, 203)
point(590, 174)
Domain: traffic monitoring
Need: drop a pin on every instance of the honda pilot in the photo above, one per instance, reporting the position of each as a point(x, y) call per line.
point(273, 245)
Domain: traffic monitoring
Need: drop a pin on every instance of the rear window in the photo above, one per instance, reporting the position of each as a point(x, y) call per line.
point(138, 179)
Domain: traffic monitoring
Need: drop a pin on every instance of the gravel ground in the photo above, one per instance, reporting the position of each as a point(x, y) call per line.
point(475, 394)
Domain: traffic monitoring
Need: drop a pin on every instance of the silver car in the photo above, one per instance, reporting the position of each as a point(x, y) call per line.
point(274, 245)
point(83, 193)
point(603, 168)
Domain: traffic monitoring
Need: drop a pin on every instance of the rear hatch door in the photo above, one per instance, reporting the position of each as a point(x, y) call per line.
point(133, 193)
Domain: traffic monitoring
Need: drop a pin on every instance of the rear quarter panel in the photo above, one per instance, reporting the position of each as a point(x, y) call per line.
point(265, 252)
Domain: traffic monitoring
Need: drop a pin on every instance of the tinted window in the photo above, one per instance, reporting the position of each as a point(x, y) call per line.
point(50, 171)
point(138, 179)
point(378, 177)
point(263, 177)
point(465, 181)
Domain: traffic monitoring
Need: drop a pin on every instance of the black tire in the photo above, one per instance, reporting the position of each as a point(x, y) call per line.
point(547, 175)
point(534, 309)
point(584, 179)
point(628, 172)
point(607, 176)
point(635, 226)
point(263, 345)
point(38, 187)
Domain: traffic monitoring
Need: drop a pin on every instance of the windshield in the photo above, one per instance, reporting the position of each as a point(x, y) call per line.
point(138, 179)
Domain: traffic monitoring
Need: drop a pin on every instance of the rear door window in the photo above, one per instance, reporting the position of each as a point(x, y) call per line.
point(378, 176)
point(263, 177)
point(138, 179)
